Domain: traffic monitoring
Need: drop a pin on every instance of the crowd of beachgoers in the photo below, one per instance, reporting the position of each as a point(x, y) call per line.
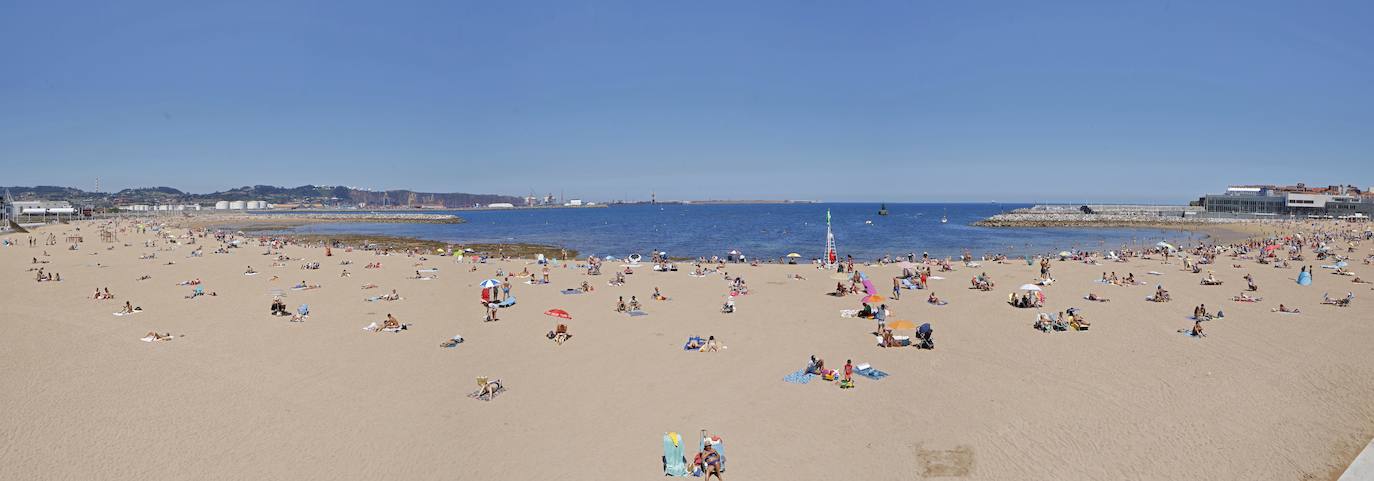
point(1331, 249)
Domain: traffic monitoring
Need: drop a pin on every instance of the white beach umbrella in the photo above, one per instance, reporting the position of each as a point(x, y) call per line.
point(1030, 287)
point(1166, 245)
point(1065, 254)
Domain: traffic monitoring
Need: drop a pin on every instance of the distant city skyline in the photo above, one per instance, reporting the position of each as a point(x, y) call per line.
point(883, 101)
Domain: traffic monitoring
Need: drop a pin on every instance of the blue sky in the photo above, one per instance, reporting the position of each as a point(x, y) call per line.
point(890, 101)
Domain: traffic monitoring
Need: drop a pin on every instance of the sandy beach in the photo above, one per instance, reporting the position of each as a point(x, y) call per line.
point(241, 394)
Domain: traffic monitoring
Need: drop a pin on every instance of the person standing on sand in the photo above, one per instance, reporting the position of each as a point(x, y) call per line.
point(849, 370)
point(896, 289)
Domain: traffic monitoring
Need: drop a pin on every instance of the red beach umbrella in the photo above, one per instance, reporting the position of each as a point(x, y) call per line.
point(558, 313)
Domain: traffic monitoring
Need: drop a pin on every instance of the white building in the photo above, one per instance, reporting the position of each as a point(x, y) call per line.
point(501, 205)
point(574, 203)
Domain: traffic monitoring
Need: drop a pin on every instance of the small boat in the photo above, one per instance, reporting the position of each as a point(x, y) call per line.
point(882, 210)
point(944, 219)
point(868, 222)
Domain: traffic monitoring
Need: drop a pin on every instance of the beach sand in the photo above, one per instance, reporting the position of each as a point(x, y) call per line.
point(245, 395)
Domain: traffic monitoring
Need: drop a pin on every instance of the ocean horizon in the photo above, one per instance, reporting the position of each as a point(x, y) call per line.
point(761, 230)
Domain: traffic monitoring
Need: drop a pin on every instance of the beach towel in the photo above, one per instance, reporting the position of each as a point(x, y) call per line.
point(250, 273)
point(571, 291)
point(126, 313)
point(849, 313)
point(1155, 273)
point(799, 377)
point(637, 313)
point(871, 373)
point(686, 345)
point(674, 462)
point(935, 278)
point(432, 269)
point(510, 301)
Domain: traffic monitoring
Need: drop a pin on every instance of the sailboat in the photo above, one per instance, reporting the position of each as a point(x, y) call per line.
point(944, 219)
point(882, 210)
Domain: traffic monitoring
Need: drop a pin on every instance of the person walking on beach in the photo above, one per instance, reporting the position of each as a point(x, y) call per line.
point(896, 289)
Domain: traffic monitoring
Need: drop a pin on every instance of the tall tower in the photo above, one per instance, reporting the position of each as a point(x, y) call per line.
point(97, 185)
point(653, 199)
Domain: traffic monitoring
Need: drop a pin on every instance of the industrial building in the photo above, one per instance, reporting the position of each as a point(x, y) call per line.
point(1336, 201)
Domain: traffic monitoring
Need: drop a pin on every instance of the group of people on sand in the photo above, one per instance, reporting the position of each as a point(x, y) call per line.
point(47, 276)
point(105, 295)
point(632, 306)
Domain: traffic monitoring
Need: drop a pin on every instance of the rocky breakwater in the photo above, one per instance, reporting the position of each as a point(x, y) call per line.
point(1104, 216)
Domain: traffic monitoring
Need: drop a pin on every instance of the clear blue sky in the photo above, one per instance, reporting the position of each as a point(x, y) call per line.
point(891, 101)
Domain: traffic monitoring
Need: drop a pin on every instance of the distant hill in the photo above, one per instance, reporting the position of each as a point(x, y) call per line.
point(303, 195)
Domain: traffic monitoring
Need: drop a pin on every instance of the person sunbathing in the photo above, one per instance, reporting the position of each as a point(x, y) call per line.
point(890, 340)
point(1043, 322)
point(1283, 308)
point(658, 296)
point(452, 342)
point(586, 287)
point(694, 343)
point(933, 299)
point(729, 306)
point(1357, 280)
point(620, 305)
point(250, 271)
point(1243, 297)
point(560, 334)
point(1197, 330)
point(711, 462)
point(711, 345)
point(158, 337)
point(489, 389)
point(634, 303)
point(1094, 297)
point(128, 308)
point(390, 323)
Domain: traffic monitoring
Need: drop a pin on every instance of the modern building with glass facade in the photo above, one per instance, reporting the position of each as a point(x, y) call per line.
point(1293, 201)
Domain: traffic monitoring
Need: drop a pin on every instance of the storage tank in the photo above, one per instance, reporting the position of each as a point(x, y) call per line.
point(257, 204)
point(221, 205)
point(236, 205)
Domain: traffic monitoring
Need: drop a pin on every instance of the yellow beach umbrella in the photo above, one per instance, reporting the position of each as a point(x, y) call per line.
point(895, 325)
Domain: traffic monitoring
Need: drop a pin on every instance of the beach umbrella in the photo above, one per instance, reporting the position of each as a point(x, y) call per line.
point(874, 298)
point(1271, 247)
point(868, 287)
point(1030, 287)
point(1065, 254)
point(794, 255)
point(559, 313)
point(896, 325)
point(734, 253)
point(1166, 245)
point(489, 283)
point(924, 329)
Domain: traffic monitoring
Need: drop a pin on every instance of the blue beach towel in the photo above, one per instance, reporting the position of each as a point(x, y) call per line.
point(571, 291)
point(799, 377)
point(637, 313)
point(674, 463)
point(510, 301)
point(871, 373)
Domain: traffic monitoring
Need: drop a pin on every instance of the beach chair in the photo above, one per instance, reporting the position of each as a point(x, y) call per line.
point(674, 461)
point(719, 446)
